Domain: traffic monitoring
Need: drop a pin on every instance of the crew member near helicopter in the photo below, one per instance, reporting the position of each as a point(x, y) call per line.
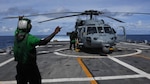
point(25, 52)
point(73, 37)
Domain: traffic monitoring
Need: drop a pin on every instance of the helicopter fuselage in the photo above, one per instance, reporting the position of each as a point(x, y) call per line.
point(95, 34)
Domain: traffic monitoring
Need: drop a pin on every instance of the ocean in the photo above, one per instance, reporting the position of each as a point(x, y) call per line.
point(6, 41)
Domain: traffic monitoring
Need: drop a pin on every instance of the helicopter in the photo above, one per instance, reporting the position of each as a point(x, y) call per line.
point(91, 32)
point(94, 33)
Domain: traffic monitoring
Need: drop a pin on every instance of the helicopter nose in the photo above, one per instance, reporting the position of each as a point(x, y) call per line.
point(113, 38)
point(88, 40)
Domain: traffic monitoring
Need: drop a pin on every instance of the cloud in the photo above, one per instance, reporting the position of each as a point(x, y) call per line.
point(5, 29)
point(57, 12)
point(44, 30)
point(18, 11)
point(19, 7)
point(39, 18)
point(139, 23)
point(61, 9)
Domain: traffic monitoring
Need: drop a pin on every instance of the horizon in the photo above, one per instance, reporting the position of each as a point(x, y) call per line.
point(134, 23)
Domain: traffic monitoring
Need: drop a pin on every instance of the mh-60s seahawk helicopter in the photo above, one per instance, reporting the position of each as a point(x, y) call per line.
point(95, 33)
point(91, 31)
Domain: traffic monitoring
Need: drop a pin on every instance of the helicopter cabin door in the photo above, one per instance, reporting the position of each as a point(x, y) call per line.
point(81, 33)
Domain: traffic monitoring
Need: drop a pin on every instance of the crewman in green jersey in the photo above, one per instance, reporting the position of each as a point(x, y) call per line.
point(25, 52)
point(73, 37)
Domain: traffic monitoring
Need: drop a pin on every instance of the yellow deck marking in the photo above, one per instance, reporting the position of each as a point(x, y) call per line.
point(87, 72)
point(142, 56)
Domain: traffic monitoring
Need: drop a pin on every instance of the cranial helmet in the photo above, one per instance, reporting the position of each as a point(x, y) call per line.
point(24, 24)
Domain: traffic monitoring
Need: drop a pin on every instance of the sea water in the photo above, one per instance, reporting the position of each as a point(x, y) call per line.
point(6, 41)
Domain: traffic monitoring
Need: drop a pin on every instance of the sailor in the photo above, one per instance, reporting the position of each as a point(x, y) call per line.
point(25, 52)
point(73, 37)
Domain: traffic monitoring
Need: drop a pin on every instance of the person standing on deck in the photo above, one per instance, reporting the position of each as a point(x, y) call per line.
point(25, 52)
point(73, 37)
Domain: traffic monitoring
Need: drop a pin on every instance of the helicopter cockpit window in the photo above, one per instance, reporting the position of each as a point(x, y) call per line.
point(113, 30)
point(100, 30)
point(108, 30)
point(83, 29)
point(91, 30)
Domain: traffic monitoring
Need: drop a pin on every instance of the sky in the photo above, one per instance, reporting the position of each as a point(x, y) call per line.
point(134, 23)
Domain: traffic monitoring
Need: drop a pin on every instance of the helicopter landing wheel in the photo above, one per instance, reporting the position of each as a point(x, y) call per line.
point(105, 50)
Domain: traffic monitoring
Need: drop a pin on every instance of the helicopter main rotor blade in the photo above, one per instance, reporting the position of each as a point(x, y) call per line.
point(13, 17)
point(51, 13)
point(134, 13)
point(114, 19)
point(59, 18)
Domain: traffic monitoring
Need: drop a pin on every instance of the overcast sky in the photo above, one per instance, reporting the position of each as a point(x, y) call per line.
point(134, 24)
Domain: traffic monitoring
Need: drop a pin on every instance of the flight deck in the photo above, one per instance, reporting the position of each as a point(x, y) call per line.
point(128, 64)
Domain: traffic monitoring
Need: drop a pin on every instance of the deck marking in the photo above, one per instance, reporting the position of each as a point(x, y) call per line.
point(3, 53)
point(87, 72)
point(140, 74)
point(66, 55)
point(131, 54)
point(7, 61)
point(118, 77)
point(142, 56)
point(81, 79)
point(130, 67)
point(136, 44)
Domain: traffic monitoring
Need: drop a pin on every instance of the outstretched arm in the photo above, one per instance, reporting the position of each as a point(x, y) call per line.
point(47, 39)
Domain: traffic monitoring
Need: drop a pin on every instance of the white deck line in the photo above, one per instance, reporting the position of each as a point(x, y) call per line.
point(136, 44)
point(86, 79)
point(66, 55)
point(130, 67)
point(140, 74)
point(7, 61)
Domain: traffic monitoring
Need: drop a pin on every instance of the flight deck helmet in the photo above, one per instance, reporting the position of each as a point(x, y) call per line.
point(24, 24)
